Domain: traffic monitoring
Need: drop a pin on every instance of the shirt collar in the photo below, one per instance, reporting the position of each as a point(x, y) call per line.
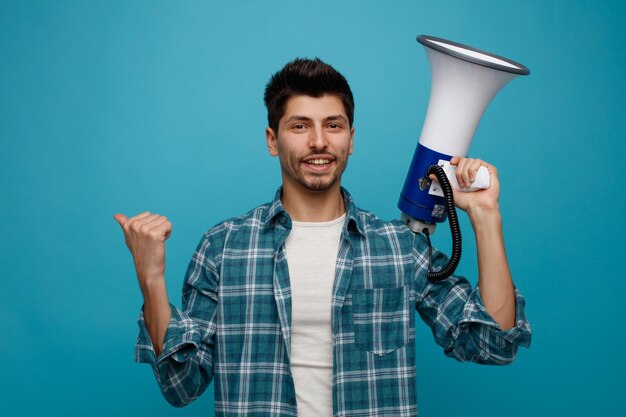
point(276, 212)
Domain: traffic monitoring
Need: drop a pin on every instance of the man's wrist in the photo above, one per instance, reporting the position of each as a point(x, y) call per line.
point(149, 283)
point(484, 215)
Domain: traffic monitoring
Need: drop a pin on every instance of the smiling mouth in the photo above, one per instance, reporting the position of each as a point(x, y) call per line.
point(318, 162)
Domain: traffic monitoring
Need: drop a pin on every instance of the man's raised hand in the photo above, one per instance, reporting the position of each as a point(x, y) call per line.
point(145, 236)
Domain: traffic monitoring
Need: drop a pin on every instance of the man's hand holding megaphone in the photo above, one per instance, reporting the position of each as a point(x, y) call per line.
point(482, 207)
point(477, 201)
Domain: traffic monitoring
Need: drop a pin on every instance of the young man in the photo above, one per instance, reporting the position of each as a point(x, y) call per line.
point(304, 306)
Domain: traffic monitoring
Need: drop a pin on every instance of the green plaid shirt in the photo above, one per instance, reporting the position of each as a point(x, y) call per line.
point(235, 325)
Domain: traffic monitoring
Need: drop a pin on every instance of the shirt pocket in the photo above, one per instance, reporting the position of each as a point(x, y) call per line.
point(381, 319)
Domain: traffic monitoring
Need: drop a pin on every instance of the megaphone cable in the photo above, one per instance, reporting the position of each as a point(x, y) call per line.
point(455, 230)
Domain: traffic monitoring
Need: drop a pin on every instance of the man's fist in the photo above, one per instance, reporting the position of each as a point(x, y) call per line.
point(145, 236)
point(477, 201)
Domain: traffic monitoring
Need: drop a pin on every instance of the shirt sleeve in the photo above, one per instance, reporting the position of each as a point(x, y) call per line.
point(184, 369)
point(459, 320)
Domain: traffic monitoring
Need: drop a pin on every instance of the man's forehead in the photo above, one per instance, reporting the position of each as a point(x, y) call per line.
point(328, 105)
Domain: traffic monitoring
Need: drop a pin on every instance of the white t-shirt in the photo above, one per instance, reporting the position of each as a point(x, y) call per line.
point(312, 249)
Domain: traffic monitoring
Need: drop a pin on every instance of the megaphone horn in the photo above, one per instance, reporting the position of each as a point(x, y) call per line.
point(463, 82)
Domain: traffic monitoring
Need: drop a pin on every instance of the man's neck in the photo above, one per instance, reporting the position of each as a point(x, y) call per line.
point(313, 206)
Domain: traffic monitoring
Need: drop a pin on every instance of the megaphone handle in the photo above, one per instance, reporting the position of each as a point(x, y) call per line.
point(453, 221)
point(481, 182)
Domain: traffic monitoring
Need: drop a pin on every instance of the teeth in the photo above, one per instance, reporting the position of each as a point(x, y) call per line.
point(318, 161)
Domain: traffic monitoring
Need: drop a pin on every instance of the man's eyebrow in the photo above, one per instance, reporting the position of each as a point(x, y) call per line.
point(308, 119)
point(336, 117)
point(299, 118)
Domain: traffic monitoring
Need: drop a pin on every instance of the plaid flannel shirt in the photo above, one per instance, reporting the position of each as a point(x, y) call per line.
point(234, 327)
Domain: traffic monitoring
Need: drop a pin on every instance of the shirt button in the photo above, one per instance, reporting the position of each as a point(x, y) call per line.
point(282, 220)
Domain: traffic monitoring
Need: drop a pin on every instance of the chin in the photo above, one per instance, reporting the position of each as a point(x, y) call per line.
point(319, 186)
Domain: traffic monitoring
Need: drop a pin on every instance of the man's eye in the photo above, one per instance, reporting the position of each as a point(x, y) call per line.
point(298, 126)
point(334, 126)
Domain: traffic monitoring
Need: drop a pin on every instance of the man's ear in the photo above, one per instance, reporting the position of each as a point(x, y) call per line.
point(272, 144)
point(351, 141)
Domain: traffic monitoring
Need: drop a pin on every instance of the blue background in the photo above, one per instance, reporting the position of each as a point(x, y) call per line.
point(125, 106)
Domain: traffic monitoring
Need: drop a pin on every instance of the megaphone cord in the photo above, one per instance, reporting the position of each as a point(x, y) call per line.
point(455, 230)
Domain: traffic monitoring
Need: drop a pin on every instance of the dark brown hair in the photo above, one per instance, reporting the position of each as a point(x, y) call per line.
point(310, 77)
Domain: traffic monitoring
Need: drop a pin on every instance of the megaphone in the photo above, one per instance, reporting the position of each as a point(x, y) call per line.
point(463, 82)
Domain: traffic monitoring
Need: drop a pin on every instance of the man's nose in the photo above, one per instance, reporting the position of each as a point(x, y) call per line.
point(317, 138)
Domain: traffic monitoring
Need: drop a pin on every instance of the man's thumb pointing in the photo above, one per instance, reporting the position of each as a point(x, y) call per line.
point(121, 219)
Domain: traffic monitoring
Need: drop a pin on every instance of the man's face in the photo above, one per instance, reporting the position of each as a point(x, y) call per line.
point(313, 142)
